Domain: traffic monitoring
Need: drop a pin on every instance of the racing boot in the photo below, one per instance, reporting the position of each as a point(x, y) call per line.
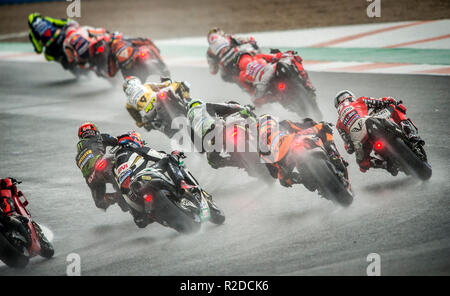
point(383, 164)
point(217, 216)
point(141, 219)
point(411, 132)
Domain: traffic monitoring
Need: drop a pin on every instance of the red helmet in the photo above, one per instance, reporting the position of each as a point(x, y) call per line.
point(87, 129)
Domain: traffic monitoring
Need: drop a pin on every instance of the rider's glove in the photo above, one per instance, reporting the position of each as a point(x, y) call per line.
point(327, 127)
point(390, 100)
point(247, 111)
point(140, 123)
point(179, 154)
point(349, 148)
point(250, 107)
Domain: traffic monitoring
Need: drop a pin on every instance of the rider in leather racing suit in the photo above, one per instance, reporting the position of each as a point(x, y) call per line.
point(223, 52)
point(202, 117)
point(257, 72)
point(8, 214)
point(123, 52)
point(132, 149)
point(142, 97)
point(47, 35)
point(351, 123)
point(84, 45)
point(274, 138)
point(90, 148)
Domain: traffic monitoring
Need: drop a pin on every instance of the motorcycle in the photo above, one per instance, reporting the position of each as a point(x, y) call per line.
point(240, 147)
point(317, 169)
point(154, 195)
point(168, 105)
point(15, 249)
point(392, 148)
point(146, 61)
point(288, 88)
point(230, 72)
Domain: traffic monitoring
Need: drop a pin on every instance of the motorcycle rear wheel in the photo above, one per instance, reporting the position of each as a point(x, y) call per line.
point(410, 162)
point(329, 183)
point(175, 216)
point(10, 255)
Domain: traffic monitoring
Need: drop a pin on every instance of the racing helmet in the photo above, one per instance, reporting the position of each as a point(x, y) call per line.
point(87, 129)
point(138, 95)
point(342, 96)
point(132, 139)
point(214, 30)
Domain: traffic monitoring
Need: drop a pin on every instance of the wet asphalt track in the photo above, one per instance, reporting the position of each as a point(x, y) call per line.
point(270, 230)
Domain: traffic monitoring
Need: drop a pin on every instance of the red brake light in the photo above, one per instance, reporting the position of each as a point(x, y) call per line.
point(162, 95)
point(100, 49)
point(148, 197)
point(281, 86)
point(378, 145)
point(101, 165)
point(235, 132)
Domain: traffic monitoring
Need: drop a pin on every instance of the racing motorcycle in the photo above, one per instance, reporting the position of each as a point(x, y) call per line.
point(317, 169)
point(392, 148)
point(230, 72)
point(146, 61)
point(288, 88)
point(240, 146)
point(153, 194)
point(16, 249)
point(167, 105)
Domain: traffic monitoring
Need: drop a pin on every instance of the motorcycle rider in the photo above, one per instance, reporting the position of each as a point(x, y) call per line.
point(87, 47)
point(123, 52)
point(8, 214)
point(90, 148)
point(142, 97)
point(47, 36)
point(352, 114)
point(223, 53)
point(275, 144)
point(130, 143)
point(257, 72)
point(203, 119)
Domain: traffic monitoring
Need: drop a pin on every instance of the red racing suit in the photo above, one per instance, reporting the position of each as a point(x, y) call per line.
point(223, 51)
point(79, 43)
point(256, 73)
point(351, 124)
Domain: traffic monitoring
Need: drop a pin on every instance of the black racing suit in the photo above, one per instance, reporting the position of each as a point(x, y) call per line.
point(8, 214)
point(89, 151)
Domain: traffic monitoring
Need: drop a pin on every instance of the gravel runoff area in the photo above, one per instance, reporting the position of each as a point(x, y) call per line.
point(173, 18)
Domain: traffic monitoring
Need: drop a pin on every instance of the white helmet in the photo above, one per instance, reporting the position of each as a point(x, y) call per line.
point(134, 90)
point(342, 96)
